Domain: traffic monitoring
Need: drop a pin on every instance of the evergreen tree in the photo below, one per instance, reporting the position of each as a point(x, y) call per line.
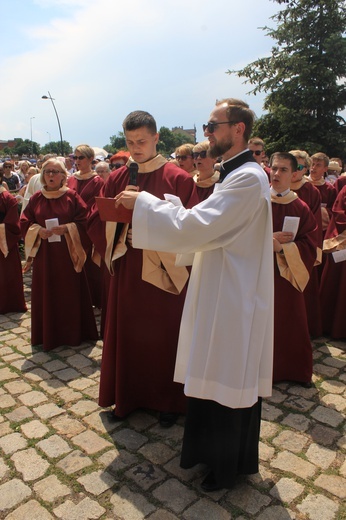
point(304, 78)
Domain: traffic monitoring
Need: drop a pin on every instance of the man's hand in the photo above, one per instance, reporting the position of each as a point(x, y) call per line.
point(59, 230)
point(283, 236)
point(127, 199)
point(45, 233)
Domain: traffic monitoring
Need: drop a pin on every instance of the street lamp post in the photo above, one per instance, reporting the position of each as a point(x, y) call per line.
point(57, 117)
point(32, 146)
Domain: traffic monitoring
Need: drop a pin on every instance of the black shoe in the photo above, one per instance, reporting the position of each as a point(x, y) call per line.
point(168, 419)
point(112, 417)
point(306, 384)
point(209, 483)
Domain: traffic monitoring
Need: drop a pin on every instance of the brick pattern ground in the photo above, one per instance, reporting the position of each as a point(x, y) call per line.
point(61, 458)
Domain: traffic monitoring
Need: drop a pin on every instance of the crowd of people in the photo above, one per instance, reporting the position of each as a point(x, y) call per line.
point(210, 293)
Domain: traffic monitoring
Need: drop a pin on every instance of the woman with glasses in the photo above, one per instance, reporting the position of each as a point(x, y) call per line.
point(53, 225)
point(206, 176)
point(184, 158)
point(88, 184)
point(11, 178)
point(11, 277)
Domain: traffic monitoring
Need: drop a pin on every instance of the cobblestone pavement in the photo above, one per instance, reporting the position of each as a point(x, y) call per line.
point(61, 458)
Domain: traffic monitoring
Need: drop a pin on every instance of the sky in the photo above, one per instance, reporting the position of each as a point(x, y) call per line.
point(100, 60)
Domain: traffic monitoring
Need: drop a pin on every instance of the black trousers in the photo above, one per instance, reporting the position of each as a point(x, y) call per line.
point(226, 439)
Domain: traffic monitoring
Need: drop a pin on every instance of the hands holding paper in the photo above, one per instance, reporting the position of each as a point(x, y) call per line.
point(281, 237)
point(127, 199)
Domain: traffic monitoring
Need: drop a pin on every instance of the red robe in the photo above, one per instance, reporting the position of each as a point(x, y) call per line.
point(310, 194)
point(142, 322)
point(333, 282)
point(88, 189)
point(61, 310)
point(339, 183)
point(292, 345)
point(11, 277)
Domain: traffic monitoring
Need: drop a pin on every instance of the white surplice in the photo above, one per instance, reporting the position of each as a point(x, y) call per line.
point(225, 346)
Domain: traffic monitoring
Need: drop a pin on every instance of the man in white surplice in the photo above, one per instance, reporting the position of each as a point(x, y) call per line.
point(225, 349)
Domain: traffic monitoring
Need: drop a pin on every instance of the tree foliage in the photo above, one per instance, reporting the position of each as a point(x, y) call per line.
point(55, 147)
point(304, 78)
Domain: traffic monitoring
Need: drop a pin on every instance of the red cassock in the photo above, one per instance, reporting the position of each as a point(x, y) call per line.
point(142, 322)
point(61, 309)
point(11, 278)
point(333, 281)
point(88, 189)
point(292, 345)
point(309, 194)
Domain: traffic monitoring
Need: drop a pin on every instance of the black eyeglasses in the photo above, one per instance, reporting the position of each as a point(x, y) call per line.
point(78, 157)
point(300, 167)
point(211, 127)
point(257, 152)
point(202, 154)
point(182, 157)
point(116, 165)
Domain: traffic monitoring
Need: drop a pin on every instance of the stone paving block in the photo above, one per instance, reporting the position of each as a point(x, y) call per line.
point(130, 505)
point(276, 397)
point(30, 464)
point(332, 386)
point(33, 398)
point(268, 429)
point(141, 421)
point(342, 470)
point(38, 374)
point(319, 507)
point(115, 460)
point(265, 452)
point(7, 374)
point(83, 407)
point(12, 442)
point(287, 490)
point(299, 403)
point(68, 395)
point(297, 421)
point(17, 387)
point(54, 365)
point(92, 392)
point(97, 482)
point(93, 352)
point(47, 411)
point(130, 439)
point(52, 386)
point(81, 384)
point(175, 495)
point(264, 479)
point(5, 429)
point(320, 456)
point(157, 452)
point(334, 401)
point(3, 469)
point(175, 433)
point(332, 483)
point(145, 475)
point(64, 352)
point(269, 412)
point(54, 446)
point(66, 425)
point(23, 365)
point(289, 462)
point(291, 441)
point(333, 351)
point(50, 489)
point(324, 435)
point(161, 514)
point(206, 510)
point(74, 462)
point(13, 493)
point(99, 421)
point(78, 361)
point(333, 362)
point(327, 416)
point(34, 429)
point(6, 401)
point(19, 414)
point(342, 442)
point(31, 510)
point(90, 442)
point(276, 513)
point(67, 374)
point(40, 358)
point(248, 499)
point(11, 357)
point(324, 370)
point(186, 475)
point(87, 509)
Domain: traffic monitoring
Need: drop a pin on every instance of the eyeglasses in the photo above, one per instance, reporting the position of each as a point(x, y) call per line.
point(211, 127)
point(300, 167)
point(7, 166)
point(202, 154)
point(78, 157)
point(182, 157)
point(257, 152)
point(53, 172)
point(116, 165)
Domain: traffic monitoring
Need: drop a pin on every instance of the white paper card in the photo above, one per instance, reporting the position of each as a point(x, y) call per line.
point(339, 256)
point(176, 201)
point(291, 225)
point(50, 223)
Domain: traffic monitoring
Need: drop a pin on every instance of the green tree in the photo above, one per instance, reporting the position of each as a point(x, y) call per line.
point(118, 142)
point(169, 140)
point(55, 147)
point(303, 78)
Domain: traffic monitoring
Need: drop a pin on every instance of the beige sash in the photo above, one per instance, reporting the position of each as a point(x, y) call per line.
point(3, 241)
point(160, 270)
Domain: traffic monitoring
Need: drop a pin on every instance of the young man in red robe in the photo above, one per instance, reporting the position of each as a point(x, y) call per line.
point(146, 291)
point(295, 255)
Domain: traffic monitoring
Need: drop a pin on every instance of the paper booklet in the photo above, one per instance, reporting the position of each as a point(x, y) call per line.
point(50, 223)
point(291, 225)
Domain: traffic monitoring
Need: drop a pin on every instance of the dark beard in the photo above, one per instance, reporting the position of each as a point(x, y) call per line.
point(218, 149)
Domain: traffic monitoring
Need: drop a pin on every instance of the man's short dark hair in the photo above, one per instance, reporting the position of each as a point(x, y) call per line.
point(287, 156)
point(138, 119)
point(239, 111)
